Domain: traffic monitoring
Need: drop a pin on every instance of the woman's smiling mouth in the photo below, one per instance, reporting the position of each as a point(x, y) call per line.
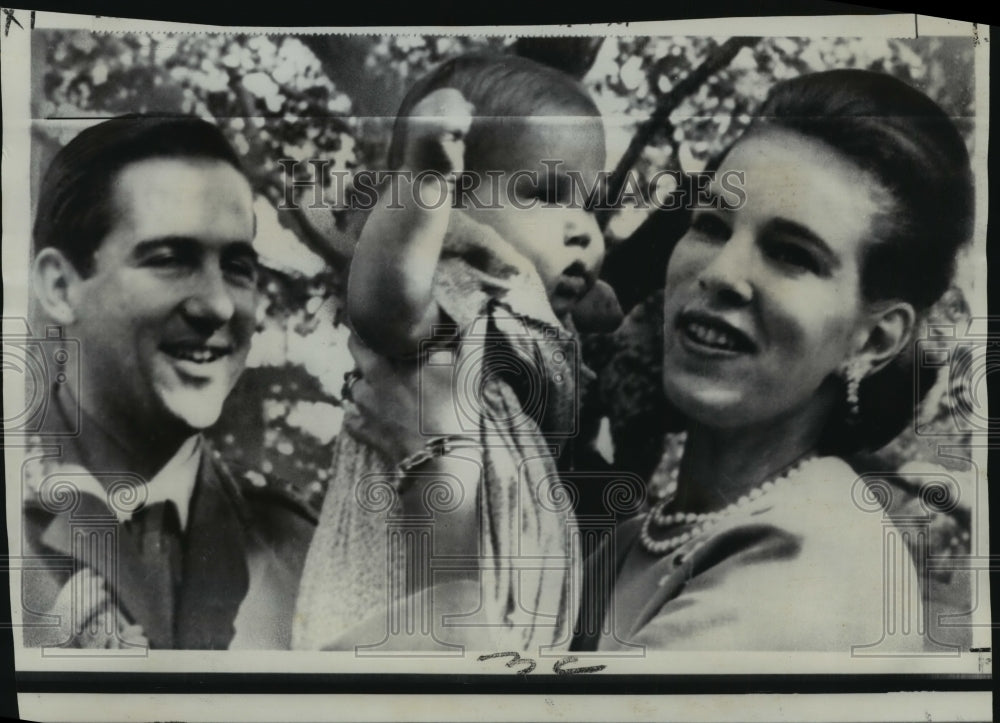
point(709, 333)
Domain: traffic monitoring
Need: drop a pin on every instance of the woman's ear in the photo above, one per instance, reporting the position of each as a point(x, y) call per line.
point(52, 278)
point(892, 330)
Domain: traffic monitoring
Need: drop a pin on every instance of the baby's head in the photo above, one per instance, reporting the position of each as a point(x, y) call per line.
point(536, 147)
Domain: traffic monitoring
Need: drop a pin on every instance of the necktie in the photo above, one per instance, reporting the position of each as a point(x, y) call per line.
point(150, 567)
point(215, 568)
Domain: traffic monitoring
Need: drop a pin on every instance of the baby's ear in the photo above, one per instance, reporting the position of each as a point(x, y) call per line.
point(53, 276)
point(598, 311)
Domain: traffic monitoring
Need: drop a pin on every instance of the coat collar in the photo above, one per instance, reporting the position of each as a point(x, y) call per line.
point(199, 613)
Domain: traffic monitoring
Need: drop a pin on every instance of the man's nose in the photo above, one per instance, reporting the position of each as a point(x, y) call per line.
point(210, 303)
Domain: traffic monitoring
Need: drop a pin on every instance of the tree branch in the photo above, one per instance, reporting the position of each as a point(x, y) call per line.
point(719, 59)
point(297, 220)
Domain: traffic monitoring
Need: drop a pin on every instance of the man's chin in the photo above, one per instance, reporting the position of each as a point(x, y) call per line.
point(196, 409)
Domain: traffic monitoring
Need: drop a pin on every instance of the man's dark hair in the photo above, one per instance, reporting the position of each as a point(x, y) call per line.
point(74, 202)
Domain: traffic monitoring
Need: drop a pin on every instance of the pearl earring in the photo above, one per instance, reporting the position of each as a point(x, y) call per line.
point(854, 371)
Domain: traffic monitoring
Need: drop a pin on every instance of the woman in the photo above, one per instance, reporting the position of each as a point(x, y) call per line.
point(788, 338)
point(788, 343)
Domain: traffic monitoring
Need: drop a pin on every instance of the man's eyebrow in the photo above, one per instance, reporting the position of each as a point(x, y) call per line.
point(794, 228)
point(189, 243)
point(153, 244)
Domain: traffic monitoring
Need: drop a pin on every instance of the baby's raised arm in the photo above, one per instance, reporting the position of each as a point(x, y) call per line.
point(389, 296)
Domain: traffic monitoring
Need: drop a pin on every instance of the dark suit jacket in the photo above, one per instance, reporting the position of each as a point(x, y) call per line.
point(242, 555)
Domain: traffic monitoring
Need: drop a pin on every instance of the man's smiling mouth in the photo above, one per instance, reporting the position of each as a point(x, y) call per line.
point(197, 353)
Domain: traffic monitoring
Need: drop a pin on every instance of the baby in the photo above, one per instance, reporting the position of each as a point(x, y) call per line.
point(507, 263)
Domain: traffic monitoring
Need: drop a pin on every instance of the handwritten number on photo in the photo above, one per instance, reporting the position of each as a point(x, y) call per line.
point(558, 668)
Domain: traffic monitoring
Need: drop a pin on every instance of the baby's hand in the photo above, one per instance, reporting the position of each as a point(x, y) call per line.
point(436, 134)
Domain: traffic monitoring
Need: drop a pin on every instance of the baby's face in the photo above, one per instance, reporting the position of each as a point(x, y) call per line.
point(542, 169)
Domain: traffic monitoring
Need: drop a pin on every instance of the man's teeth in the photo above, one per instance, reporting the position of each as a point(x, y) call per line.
point(711, 336)
point(200, 356)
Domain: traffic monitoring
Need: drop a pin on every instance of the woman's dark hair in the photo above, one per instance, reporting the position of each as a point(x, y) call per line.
point(75, 199)
point(498, 86)
point(905, 141)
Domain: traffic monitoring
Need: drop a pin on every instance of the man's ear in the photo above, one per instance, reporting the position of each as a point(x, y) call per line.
point(52, 278)
point(893, 328)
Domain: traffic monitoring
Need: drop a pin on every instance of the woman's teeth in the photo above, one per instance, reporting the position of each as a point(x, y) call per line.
point(710, 336)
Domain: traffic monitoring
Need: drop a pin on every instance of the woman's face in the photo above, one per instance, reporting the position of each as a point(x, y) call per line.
point(763, 302)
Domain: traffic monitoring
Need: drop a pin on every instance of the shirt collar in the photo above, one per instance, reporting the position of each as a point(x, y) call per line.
point(175, 481)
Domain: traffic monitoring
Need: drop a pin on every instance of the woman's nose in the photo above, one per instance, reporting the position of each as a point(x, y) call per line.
point(211, 303)
point(727, 276)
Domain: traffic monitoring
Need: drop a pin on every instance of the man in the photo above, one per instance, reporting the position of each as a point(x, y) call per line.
point(143, 254)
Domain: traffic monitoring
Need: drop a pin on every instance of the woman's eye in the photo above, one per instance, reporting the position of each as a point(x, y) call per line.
point(796, 256)
point(710, 226)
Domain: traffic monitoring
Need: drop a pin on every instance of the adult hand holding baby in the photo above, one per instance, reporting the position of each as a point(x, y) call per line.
point(401, 404)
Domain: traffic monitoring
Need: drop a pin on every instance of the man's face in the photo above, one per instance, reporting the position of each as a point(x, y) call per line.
point(166, 316)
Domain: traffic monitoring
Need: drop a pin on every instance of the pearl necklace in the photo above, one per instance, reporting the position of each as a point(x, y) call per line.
point(704, 521)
